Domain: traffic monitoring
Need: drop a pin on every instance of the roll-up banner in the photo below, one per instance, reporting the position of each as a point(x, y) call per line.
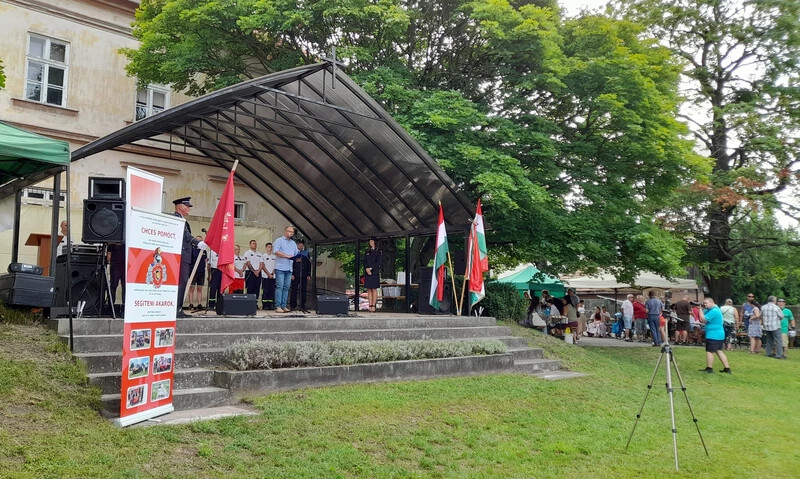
point(153, 260)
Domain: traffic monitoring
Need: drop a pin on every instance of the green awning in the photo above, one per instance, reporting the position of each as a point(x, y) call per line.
point(23, 153)
point(530, 278)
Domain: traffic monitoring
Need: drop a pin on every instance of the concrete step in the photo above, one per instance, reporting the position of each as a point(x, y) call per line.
point(526, 353)
point(110, 383)
point(183, 399)
point(217, 324)
point(251, 383)
point(112, 342)
point(529, 366)
point(111, 362)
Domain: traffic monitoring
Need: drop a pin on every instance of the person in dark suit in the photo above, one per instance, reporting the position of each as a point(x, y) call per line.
point(372, 269)
point(301, 274)
point(182, 208)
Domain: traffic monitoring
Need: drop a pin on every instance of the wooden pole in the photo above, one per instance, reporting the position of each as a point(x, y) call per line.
point(469, 265)
point(453, 279)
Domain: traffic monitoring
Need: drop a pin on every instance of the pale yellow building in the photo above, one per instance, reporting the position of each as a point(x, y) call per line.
point(66, 79)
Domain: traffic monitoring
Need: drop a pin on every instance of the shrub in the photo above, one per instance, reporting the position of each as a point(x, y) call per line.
point(503, 302)
point(288, 354)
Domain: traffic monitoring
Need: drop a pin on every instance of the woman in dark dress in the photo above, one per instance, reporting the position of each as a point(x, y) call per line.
point(372, 269)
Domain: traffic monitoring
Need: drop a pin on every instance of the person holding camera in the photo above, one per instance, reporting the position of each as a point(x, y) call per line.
point(711, 315)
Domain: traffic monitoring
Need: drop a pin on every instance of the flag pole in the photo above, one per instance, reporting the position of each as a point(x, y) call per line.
point(453, 279)
point(200, 256)
point(469, 263)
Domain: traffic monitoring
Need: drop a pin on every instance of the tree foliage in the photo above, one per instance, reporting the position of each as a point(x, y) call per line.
point(2, 76)
point(565, 127)
point(742, 78)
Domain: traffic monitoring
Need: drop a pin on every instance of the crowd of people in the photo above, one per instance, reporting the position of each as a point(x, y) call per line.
point(683, 322)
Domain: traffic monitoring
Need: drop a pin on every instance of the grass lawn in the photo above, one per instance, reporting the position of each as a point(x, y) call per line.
point(483, 427)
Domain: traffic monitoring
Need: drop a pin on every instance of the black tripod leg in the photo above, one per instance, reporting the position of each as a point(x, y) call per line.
point(691, 411)
point(649, 388)
point(671, 361)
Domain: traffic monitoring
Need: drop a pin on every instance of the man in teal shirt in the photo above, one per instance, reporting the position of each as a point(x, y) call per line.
point(715, 335)
point(788, 320)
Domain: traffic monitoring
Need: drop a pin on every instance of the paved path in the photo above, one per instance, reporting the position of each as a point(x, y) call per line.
point(611, 343)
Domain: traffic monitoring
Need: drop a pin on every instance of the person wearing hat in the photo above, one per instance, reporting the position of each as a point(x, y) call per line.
point(182, 208)
point(301, 274)
point(372, 267)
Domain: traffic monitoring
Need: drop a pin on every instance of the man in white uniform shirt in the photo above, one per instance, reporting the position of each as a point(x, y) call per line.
point(238, 266)
point(268, 278)
point(214, 279)
point(252, 271)
point(62, 246)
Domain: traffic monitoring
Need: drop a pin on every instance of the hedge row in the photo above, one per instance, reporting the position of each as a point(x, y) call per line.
point(293, 354)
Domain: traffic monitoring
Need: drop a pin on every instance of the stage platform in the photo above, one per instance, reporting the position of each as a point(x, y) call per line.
point(203, 377)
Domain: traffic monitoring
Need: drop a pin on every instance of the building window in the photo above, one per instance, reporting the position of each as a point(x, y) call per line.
point(41, 196)
point(238, 211)
point(154, 99)
point(46, 72)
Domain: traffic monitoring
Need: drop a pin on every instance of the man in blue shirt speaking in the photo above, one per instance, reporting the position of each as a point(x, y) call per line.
point(285, 250)
point(711, 315)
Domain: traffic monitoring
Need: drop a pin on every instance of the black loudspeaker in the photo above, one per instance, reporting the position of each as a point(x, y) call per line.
point(236, 304)
point(332, 304)
point(103, 221)
point(23, 289)
point(423, 301)
point(459, 262)
point(101, 188)
point(85, 281)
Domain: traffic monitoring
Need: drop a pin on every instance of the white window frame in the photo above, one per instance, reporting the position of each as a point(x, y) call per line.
point(47, 196)
point(47, 64)
point(152, 88)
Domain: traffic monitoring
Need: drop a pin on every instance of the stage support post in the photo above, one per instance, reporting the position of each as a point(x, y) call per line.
point(15, 239)
point(314, 275)
point(69, 264)
point(407, 268)
point(357, 277)
point(54, 223)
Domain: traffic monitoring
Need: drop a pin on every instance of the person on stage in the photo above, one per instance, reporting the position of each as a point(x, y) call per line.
point(196, 287)
point(372, 270)
point(268, 278)
point(252, 270)
point(301, 274)
point(62, 246)
point(237, 287)
point(182, 208)
point(285, 250)
point(214, 279)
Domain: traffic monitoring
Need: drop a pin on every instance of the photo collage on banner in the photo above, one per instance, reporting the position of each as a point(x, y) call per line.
point(153, 256)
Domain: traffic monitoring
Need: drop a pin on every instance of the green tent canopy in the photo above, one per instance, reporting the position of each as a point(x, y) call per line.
point(530, 278)
point(24, 154)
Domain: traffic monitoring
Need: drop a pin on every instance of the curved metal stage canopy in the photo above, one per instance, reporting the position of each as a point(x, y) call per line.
point(316, 147)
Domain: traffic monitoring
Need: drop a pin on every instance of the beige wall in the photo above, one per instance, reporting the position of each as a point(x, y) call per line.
point(101, 100)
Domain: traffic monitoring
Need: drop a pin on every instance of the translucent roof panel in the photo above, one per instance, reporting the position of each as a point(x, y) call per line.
point(315, 147)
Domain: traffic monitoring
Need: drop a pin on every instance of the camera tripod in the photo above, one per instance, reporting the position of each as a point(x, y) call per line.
point(670, 362)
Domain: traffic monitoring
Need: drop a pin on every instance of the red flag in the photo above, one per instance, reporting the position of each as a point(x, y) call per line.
point(220, 237)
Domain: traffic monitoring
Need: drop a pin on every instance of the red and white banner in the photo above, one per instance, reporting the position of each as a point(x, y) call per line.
point(153, 260)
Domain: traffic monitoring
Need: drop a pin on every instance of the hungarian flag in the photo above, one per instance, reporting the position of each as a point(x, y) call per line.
point(439, 261)
point(478, 259)
point(220, 237)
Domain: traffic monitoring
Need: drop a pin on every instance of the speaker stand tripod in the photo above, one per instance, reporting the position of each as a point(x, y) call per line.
point(105, 287)
point(670, 363)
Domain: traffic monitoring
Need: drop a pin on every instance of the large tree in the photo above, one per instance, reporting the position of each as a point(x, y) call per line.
point(742, 85)
point(565, 127)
